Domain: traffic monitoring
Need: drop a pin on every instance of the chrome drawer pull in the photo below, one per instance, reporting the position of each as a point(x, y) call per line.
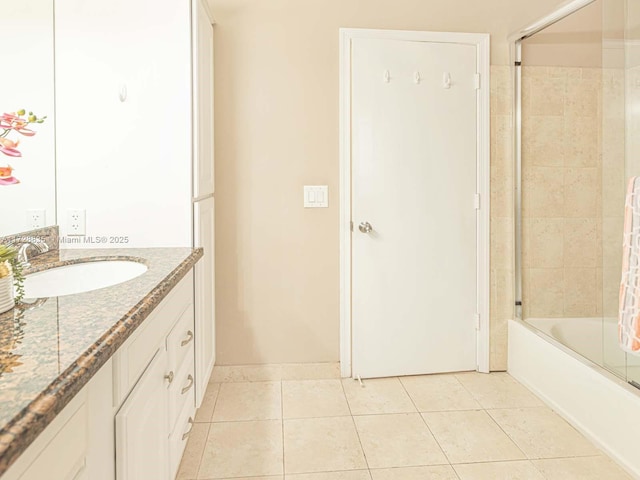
point(186, 435)
point(188, 387)
point(169, 377)
point(189, 338)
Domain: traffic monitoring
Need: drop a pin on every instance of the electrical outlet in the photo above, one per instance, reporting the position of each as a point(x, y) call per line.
point(36, 219)
point(76, 222)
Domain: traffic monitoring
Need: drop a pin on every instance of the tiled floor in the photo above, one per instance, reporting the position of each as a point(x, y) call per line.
point(465, 426)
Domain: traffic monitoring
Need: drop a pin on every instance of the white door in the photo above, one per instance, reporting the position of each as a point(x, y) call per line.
point(414, 144)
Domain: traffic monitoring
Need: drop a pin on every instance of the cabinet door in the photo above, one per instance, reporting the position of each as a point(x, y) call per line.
point(203, 101)
point(204, 296)
point(142, 429)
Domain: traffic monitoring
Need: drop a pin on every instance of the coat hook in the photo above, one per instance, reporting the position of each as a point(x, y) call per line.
point(123, 93)
point(387, 76)
point(416, 78)
point(446, 80)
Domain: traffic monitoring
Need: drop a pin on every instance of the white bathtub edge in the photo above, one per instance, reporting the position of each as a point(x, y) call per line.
point(602, 409)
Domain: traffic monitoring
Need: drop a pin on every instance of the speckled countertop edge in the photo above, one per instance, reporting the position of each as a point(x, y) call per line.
point(21, 431)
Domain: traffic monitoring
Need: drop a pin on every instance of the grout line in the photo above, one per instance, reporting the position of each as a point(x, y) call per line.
point(355, 427)
point(425, 423)
point(204, 447)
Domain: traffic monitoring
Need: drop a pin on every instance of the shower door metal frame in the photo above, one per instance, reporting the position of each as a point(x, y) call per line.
point(515, 43)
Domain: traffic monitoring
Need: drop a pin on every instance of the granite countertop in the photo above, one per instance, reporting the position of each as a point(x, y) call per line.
point(50, 351)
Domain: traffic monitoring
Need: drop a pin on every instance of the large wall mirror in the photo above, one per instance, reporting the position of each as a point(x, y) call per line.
point(27, 160)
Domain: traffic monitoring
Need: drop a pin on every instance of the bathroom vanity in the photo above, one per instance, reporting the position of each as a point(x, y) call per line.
point(101, 384)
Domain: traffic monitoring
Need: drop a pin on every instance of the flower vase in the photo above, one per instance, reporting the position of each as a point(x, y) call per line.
point(7, 301)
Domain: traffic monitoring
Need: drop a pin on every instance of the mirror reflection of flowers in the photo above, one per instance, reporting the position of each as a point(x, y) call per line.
point(19, 123)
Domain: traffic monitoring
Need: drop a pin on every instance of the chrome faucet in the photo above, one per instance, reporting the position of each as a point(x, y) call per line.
point(23, 244)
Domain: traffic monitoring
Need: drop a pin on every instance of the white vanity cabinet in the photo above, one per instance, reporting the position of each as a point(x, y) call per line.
point(154, 378)
point(133, 418)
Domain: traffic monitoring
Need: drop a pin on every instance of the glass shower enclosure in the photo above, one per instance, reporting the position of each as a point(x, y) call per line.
point(577, 142)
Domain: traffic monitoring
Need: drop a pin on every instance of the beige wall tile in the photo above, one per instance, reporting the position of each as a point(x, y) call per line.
point(502, 243)
point(611, 278)
point(544, 192)
point(582, 187)
point(612, 232)
point(581, 242)
point(546, 242)
point(582, 97)
point(580, 141)
point(540, 145)
point(545, 293)
point(580, 294)
point(547, 96)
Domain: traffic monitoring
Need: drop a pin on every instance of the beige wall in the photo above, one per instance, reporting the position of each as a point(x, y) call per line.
point(277, 129)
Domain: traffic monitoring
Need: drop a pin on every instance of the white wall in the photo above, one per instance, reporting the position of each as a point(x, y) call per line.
point(26, 35)
point(126, 163)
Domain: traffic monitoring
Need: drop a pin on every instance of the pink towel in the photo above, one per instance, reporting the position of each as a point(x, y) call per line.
point(629, 308)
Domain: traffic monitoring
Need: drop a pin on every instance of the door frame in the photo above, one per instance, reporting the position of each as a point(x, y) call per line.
point(483, 148)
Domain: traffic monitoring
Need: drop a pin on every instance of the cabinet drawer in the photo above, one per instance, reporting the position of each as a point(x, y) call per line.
point(181, 340)
point(136, 353)
point(64, 457)
point(181, 389)
point(178, 439)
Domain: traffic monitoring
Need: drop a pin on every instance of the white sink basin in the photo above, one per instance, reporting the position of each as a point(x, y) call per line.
point(80, 277)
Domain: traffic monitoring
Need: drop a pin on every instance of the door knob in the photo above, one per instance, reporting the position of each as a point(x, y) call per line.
point(365, 227)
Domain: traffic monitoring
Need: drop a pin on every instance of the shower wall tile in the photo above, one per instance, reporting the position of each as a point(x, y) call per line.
point(546, 242)
point(547, 96)
point(580, 294)
point(582, 97)
point(502, 182)
point(541, 148)
point(580, 141)
point(548, 301)
point(582, 187)
point(581, 243)
point(610, 290)
point(543, 192)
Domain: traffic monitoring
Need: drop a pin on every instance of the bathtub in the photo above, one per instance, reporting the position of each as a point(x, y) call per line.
point(569, 363)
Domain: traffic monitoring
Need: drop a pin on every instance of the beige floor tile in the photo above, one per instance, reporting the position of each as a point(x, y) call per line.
point(246, 373)
point(248, 401)
point(381, 395)
point(541, 433)
point(498, 390)
point(311, 371)
point(322, 445)
point(349, 475)
point(272, 477)
point(243, 449)
point(398, 440)
point(439, 472)
point(205, 412)
point(313, 398)
point(519, 470)
point(434, 393)
point(193, 452)
point(581, 468)
point(471, 436)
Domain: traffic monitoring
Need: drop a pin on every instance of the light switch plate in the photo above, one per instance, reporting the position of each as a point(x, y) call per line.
point(316, 196)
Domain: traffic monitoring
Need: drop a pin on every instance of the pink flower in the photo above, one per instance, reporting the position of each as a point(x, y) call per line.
point(8, 147)
point(12, 121)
